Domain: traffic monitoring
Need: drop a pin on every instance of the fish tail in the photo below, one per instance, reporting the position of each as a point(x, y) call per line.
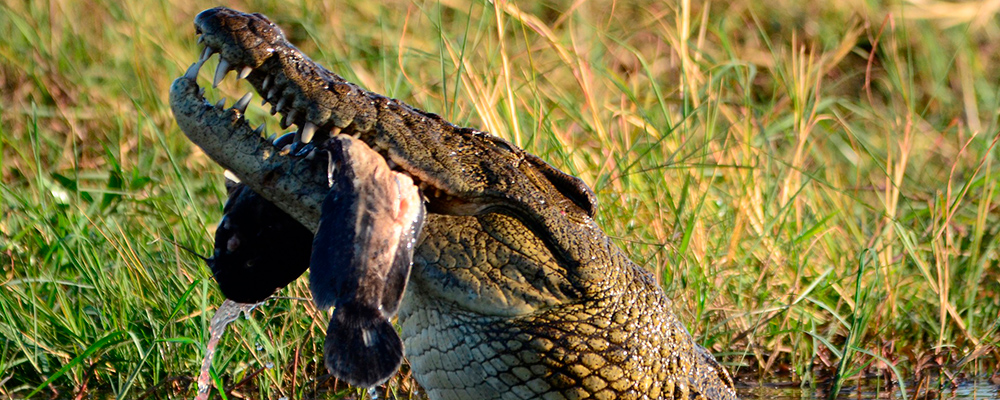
point(362, 347)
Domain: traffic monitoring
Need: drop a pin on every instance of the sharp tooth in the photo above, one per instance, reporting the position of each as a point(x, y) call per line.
point(206, 53)
point(201, 39)
point(304, 150)
point(274, 110)
point(283, 140)
point(201, 92)
point(308, 131)
point(259, 130)
point(269, 138)
point(271, 93)
point(220, 72)
point(335, 131)
point(245, 72)
point(285, 122)
point(242, 103)
point(192, 71)
point(221, 103)
point(231, 176)
point(292, 114)
point(281, 104)
point(267, 82)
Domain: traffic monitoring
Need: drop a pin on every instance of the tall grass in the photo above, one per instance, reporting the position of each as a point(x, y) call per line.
point(774, 163)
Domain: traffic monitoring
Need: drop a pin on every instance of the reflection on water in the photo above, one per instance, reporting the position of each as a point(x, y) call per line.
point(228, 312)
point(970, 390)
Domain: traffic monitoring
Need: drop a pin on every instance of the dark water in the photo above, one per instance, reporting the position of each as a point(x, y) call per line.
point(968, 390)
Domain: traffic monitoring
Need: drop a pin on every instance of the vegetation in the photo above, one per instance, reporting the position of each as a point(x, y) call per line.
point(812, 183)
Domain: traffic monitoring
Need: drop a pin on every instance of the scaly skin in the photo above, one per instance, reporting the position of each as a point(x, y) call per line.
point(515, 292)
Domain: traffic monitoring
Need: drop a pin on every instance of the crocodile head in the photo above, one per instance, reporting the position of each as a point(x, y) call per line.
point(460, 171)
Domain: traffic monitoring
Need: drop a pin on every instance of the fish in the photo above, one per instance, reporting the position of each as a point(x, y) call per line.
point(258, 247)
point(361, 259)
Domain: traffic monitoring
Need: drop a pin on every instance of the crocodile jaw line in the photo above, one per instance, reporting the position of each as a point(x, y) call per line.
point(229, 139)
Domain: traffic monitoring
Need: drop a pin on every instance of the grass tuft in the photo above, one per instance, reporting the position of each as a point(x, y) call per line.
point(811, 182)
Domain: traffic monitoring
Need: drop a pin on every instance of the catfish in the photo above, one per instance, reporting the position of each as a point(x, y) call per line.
point(258, 247)
point(361, 259)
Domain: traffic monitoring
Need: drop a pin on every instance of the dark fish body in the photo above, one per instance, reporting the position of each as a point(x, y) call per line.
point(361, 260)
point(258, 247)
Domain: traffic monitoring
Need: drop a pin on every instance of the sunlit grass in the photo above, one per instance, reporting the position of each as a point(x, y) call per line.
point(812, 184)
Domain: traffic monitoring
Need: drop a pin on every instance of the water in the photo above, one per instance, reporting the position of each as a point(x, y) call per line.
point(228, 312)
point(968, 390)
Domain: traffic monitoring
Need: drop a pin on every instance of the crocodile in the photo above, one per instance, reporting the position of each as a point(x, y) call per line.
point(515, 292)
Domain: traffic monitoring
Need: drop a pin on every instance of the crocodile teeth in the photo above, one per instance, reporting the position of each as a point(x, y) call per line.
point(273, 92)
point(307, 132)
point(201, 39)
point(267, 82)
point(269, 138)
point(242, 103)
point(285, 122)
point(274, 110)
point(259, 130)
point(221, 103)
point(283, 140)
point(220, 72)
point(305, 150)
point(280, 105)
point(192, 71)
point(231, 176)
point(335, 131)
point(244, 73)
point(291, 114)
point(206, 53)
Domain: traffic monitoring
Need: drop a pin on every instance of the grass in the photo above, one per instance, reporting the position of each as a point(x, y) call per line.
point(812, 183)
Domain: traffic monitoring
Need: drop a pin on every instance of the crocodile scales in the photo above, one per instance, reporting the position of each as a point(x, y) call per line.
point(514, 292)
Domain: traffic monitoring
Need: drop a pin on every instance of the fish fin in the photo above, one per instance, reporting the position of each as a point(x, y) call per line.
point(362, 347)
point(395, 282)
